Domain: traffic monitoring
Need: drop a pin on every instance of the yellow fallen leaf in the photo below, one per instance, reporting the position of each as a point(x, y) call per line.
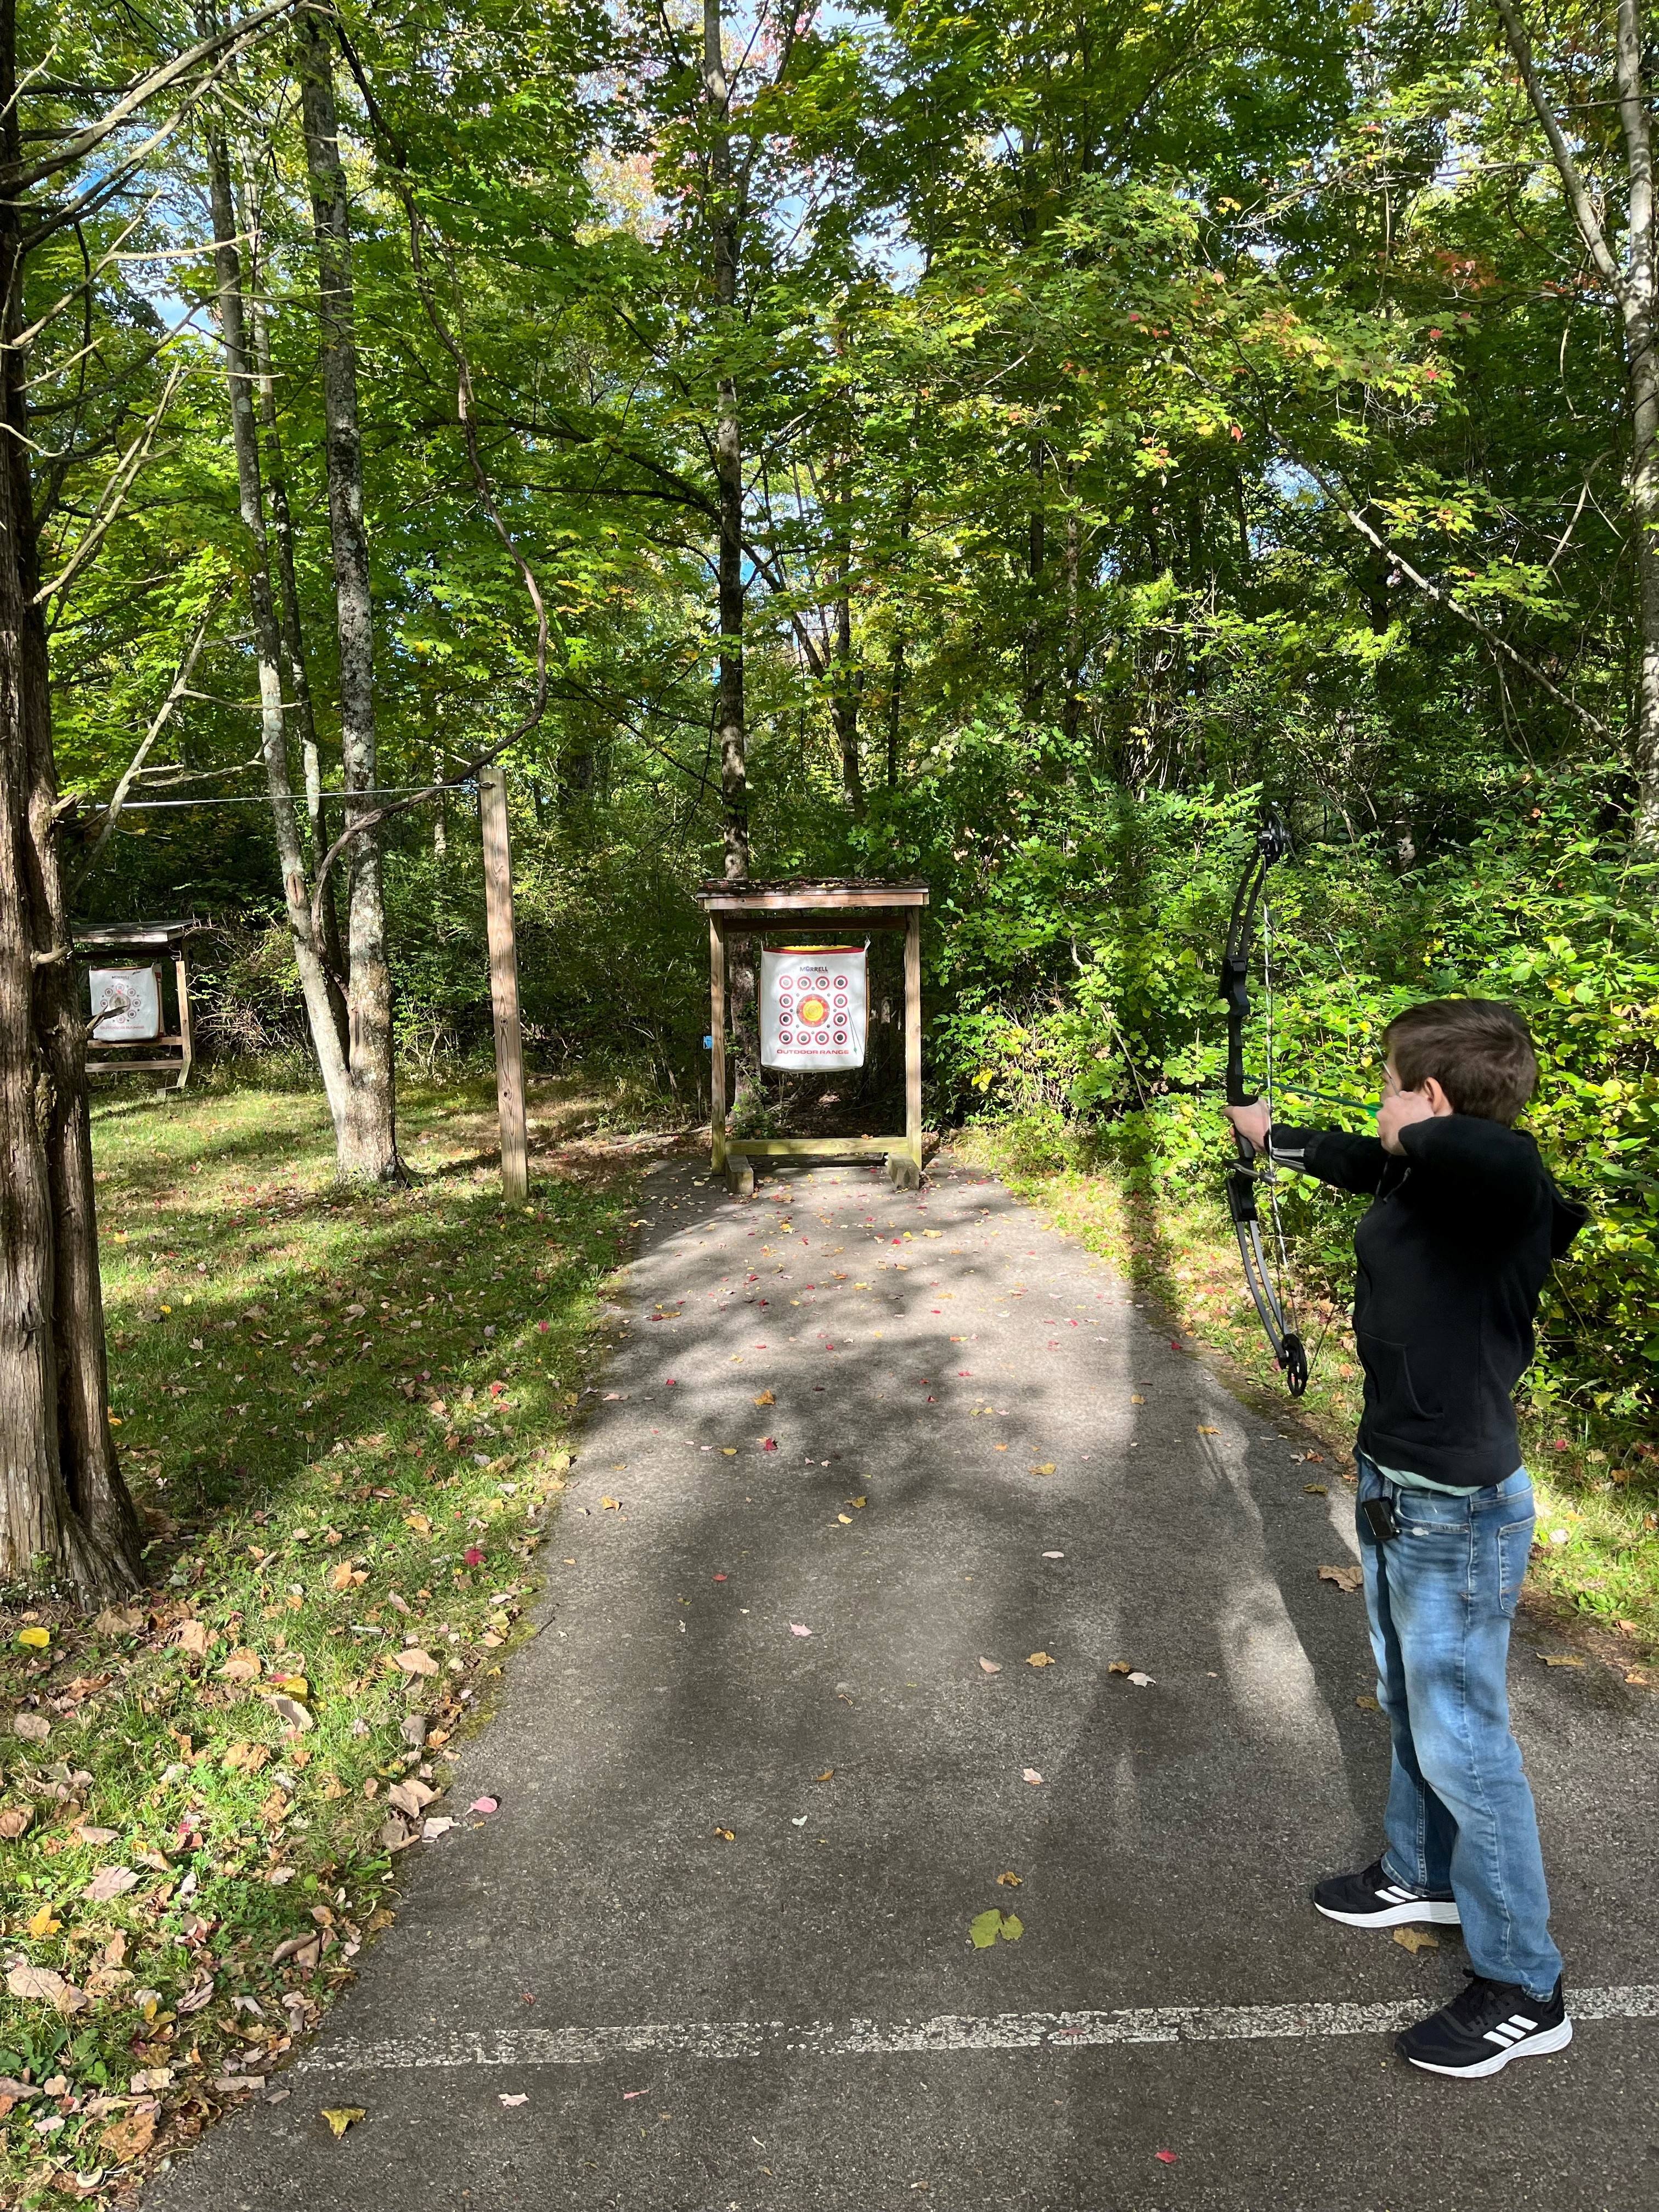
point(845, 1519)
point(341, 2117)
point(856, 1502)
point(41, 1923)
point(1120, 1667)
point(1039, 1659)
point(726, 1835)
point(828, 1775)
point(611, 1505)
point(419, 1522)
point(1561, 1659)
point(36, 1639)
point(1047, 1467)
point(1415, 1940)
point(1316, 1490)
point(766, 1399)
point(1009, 1880)
point(1136, 1401)
point(1209, 1433)
point(1368, 1705)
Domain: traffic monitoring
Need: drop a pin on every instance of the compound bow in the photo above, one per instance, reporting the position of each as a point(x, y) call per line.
point(1272, 844)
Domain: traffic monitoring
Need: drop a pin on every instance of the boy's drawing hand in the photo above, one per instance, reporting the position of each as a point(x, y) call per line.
point(1250, 1121)
point(1401, 1107)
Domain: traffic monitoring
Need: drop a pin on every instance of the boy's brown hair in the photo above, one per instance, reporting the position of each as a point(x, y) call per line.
point(1478, 1050)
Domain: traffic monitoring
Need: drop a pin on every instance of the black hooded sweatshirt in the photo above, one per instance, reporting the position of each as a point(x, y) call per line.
point(1451, 1260)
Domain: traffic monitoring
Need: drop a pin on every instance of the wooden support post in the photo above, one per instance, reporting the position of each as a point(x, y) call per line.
point(717, 1032)
point(504, 985)
point(913, 1034)
point(186, 1035)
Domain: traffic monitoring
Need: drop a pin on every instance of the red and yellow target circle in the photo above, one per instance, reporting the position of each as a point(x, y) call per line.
point(813, 1009)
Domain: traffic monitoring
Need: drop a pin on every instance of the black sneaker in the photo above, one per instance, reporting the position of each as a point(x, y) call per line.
point(1374, 1899)
point(1479, 2032)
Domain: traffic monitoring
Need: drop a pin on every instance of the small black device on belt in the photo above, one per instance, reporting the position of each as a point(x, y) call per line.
point(1380, 1518)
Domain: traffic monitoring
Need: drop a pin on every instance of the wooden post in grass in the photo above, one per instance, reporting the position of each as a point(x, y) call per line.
point(504, 986)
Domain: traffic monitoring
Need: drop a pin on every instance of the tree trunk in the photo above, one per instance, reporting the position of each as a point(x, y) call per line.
point(369, 1144)
point(844, 686)
point(273, 736)
point(728, 457)
point(1035, 682)
point(63, 1501)
point(1071, 709)
point(292, 637)
point(1641, 316)
point(1634, 284)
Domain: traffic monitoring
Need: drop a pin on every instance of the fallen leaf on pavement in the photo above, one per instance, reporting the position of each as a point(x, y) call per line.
point(828, 1775)
point(1562, 1659)
point(1141, 1680)
point(484, 1805)
point(1209, 1433)
point(1008, 1880)
point(1347, 1579)
point(796, 1629)
point(509, 2099)
point(341, 2117)
point(1047, 1467)
point(1120, 1667)
point(1029, 1774)
point(1053, 1555)
point(1368, 1705)
point(985, 1928)
point(1164, 2157)
point(610, 1504)
point(726, 1835)
point(1415, 1940)
point(1039, 1659)
point(766, 1398)
point(991, 1666)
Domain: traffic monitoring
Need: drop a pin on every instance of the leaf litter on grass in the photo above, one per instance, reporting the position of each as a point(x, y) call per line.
point(313, 1491)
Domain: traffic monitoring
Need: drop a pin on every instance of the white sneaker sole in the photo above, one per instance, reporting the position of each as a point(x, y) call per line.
point(1437, 1912)
point(1531, 2046)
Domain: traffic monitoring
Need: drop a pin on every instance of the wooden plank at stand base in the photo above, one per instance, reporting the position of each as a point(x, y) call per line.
point(504, 986)
point(739, 1176)
point(824, 1148)
point(717, 1035)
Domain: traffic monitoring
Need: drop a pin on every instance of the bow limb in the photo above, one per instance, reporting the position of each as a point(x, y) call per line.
point(1290, 1354)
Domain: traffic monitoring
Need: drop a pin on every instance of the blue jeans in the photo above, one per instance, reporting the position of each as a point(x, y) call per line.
point(1441, 1596)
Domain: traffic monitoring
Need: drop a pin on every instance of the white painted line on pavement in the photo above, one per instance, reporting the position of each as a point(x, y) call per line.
point(948, 2031)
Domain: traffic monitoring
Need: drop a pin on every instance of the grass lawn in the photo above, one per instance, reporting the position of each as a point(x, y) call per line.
point(1597, 1550)
point(344, 1418)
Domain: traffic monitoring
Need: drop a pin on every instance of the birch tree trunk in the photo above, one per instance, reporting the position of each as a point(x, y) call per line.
point(1631, 280)
point(63, 1502)
point(368, 1145)
point(273, 736)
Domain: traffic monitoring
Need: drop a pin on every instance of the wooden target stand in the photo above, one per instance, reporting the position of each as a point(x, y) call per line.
point(740, 907)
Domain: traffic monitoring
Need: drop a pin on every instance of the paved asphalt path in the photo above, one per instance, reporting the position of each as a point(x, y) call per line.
point(794, 2020)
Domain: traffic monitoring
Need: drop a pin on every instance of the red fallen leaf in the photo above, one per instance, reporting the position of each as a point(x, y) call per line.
point(473, 1556)
point(1175, 1346)
point(668, 1382)
point(484, 1805)
point(498, 1389)
point(1165, 2157)
point(769, 1444)
point(964, 1371)
point(542, 1326)
point(931, 1400)
point(720, 1579)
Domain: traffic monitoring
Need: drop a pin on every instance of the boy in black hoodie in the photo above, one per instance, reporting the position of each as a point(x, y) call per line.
point(1451, 1256)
